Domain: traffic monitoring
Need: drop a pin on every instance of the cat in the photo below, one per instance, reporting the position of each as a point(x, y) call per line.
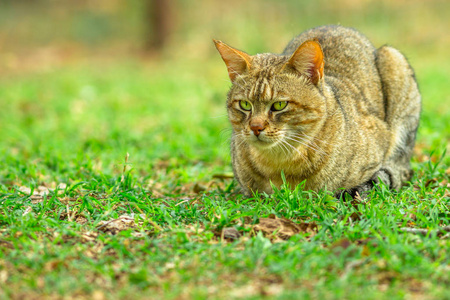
point(331, 110)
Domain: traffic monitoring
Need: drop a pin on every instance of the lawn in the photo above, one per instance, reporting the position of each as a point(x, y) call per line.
point(116, 180)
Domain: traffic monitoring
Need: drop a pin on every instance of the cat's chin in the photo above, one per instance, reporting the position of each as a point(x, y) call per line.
point(262, 144)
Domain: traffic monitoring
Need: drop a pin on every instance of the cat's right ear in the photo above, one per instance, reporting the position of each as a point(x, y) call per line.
point(237, 62)
point(308, 60)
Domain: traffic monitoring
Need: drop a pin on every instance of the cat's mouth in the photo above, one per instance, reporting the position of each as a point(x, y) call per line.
point(261, 141)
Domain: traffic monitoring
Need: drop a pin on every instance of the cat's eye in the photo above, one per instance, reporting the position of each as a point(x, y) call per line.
point(279, 105)
point(245, 105)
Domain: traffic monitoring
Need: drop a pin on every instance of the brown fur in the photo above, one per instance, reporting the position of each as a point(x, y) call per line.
point(351, 117)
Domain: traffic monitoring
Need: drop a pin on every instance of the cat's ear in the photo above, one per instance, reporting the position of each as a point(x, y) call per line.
point(308, 60)
point(237, 61)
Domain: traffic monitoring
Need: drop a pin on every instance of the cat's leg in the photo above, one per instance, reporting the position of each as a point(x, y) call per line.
point(403, 105)
point(384, 175)
point(248, 178)
point(254, 184)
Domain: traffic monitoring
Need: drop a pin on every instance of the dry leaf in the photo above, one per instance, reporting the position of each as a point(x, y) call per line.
point(229, 233)
point(124, 222)
point(198, 188)
point(225, 175)
point(430, 181)
point(283, 228)
point(342, 243)
point(355, 216)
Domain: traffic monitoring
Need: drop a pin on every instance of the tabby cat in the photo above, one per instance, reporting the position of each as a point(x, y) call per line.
point(331, 110)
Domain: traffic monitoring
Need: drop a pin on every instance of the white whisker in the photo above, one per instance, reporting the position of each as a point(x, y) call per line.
point(241, 140)
point(219, 116)
point(284, 148)
point(299, 153)
point(304, 142)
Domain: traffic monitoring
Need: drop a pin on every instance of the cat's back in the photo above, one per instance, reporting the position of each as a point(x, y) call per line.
point(349, 64)
point(347, 52)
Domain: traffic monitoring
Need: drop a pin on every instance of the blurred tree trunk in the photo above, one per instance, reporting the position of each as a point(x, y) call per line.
point(159, 18)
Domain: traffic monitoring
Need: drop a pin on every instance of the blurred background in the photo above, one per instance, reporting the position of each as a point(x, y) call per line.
point(90, 80)
point(39, 34)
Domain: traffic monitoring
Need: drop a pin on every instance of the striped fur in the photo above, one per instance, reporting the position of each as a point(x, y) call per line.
point(344, 129)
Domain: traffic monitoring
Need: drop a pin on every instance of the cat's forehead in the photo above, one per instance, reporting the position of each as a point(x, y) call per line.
point(266, 63)
point(259, 83)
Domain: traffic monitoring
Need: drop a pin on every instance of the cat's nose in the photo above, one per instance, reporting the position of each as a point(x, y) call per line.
point(257, 127)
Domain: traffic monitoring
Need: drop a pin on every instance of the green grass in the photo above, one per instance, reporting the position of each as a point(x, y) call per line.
point(76, 125)
point(154, 224)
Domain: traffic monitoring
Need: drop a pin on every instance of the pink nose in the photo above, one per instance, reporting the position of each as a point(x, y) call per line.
point(257, 127)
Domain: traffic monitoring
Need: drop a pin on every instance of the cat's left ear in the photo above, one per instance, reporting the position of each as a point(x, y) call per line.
point(308, 60)
point(238, 62)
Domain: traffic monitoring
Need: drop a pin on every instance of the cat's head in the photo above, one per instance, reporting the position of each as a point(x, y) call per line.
point(275, 100)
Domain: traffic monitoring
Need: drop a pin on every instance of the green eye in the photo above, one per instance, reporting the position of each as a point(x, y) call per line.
point(245, 105)
point(278, 105)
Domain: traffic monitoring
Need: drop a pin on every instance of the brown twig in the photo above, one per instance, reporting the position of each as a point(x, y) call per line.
point(423, 231)
point(69, 218)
